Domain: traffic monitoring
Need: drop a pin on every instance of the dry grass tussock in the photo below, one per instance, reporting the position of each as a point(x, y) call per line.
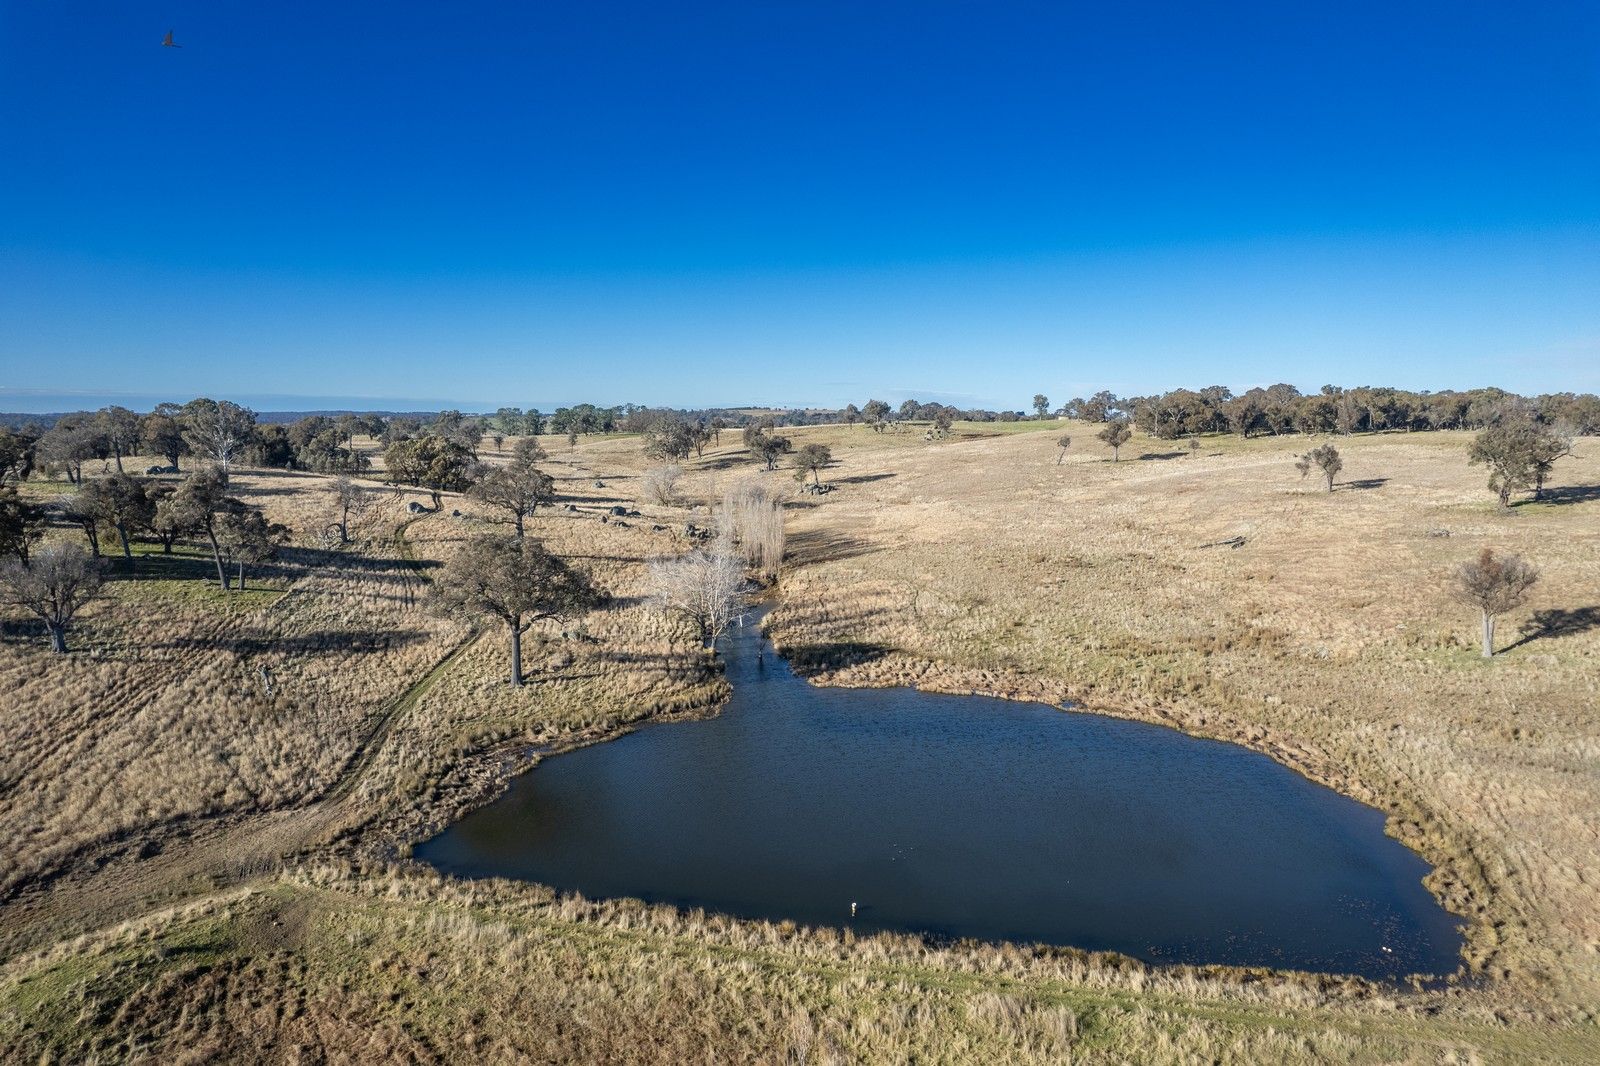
point(1327, 640)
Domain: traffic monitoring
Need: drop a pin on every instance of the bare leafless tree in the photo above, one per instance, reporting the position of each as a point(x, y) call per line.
point(706, 587)
point(54, 585)
point(351, 501)
point(660, 485)
point(1493, 584)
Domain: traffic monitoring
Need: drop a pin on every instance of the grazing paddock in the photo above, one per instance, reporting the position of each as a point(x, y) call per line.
point(1326, 638)
point(209, 804)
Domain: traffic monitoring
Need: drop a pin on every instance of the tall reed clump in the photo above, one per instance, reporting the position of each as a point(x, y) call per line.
point(752, 515)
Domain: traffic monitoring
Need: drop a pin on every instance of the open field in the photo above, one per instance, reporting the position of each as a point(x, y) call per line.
point(196, 867)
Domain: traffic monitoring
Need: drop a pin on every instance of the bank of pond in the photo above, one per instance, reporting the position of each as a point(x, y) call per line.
point(957, 816)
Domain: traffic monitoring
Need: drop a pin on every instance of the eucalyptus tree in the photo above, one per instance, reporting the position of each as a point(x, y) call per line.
point(119, 428)
point(21, 524)
point(1494, 585)
point(119, 501)
point(54, 585)
point(669, 438)
point(1115, 434)
point(515, 581)
point(16, 455)
point(435, 463)
point(876, 415)
point(75, 439)
point(812, 458)
point(1325, 459)
point(219, 431)
point(351, 500)
point(162, 435)
point(1520, 454)
point(519, 487)
point(199, 503)
point(245, 536)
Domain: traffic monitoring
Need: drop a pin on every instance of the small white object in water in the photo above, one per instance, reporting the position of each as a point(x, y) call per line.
point(1386, 949)
point(853, 913)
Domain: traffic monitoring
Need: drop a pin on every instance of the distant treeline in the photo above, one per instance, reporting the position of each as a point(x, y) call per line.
point(1284, 409)
point(61, 444)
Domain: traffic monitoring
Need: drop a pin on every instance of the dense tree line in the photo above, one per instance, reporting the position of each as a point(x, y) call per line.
point(1281, 409)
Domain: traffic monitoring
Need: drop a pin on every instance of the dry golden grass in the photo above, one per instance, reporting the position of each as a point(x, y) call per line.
point(328, 964)
point(1327, 640)
point(152, 766)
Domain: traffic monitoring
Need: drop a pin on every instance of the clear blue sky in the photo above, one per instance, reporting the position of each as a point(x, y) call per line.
point(793, 203)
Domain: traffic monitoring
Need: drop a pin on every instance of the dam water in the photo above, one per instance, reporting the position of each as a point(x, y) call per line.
point(960, 816)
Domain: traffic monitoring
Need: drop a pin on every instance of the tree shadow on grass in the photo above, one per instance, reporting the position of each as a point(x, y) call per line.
point(1364, 483)
point(22, 631)
point(1163, 455)
point(861, 479)
point(1565, 495)
point(1557, 622)
point(345, 641)
point(822, 545)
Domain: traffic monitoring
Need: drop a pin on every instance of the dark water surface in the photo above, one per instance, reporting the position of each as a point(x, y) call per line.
point(966, 817)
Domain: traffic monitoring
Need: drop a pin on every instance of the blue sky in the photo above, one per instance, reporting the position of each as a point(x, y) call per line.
point(795, 203)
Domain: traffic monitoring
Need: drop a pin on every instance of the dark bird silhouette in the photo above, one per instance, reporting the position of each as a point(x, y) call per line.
point(166, 42)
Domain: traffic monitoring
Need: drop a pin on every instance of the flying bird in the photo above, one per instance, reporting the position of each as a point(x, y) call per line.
point(166, 42)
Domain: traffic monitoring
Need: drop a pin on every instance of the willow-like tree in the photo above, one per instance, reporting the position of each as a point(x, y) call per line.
point(513, 580)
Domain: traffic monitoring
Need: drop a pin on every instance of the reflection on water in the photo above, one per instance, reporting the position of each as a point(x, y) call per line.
point(967, 817)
